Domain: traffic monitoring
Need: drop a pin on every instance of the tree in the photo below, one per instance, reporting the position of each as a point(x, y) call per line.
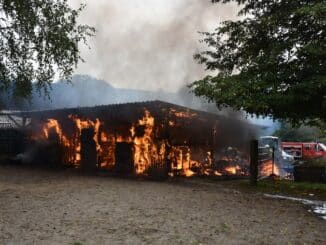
point(39, 39)
point(269, 62)
point(303, 133)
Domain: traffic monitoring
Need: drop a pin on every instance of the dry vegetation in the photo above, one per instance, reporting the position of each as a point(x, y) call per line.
point(43, 207)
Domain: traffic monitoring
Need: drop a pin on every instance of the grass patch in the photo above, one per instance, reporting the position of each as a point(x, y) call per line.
point(288, 187)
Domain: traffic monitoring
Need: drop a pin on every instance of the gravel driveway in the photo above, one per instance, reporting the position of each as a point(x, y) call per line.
point(44, 207)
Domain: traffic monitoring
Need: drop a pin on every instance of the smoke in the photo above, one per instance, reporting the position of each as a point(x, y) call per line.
point(141, 45)
point(148, 44)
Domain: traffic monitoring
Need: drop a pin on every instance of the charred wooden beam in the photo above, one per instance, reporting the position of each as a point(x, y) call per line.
point(253, 162)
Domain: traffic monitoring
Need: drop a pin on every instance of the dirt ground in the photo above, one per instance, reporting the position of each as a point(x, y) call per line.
point(44, 207)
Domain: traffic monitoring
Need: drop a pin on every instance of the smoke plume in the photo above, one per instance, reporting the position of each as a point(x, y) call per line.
point(148, 44)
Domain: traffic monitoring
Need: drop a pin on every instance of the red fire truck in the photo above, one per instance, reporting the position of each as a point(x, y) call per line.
point(304, 150)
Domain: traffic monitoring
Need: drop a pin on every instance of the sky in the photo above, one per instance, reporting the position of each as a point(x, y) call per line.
point(148, 44)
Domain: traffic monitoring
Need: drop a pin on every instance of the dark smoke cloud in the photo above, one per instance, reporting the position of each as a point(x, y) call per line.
point(142, 45)
point(148, 44)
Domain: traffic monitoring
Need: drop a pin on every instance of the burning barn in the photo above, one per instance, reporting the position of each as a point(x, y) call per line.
point(138, 138)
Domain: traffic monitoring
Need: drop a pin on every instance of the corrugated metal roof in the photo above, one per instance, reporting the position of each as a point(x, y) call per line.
point(9, 121)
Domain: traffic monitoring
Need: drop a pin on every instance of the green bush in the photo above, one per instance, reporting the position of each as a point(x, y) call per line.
point(318, 162)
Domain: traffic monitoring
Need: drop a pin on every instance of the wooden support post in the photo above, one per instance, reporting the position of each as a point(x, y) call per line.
point(88, 151)
point(253, 162)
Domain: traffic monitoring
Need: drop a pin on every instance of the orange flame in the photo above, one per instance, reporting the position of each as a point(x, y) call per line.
point(183, 114)
point(216, 173)
point(147, 150)
point(188, 173)
point(53, 124)
point(144, 147)
point(266, 168)
point(232, 169)
point(83, 124)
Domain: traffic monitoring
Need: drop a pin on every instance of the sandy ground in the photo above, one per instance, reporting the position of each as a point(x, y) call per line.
point(43, 207)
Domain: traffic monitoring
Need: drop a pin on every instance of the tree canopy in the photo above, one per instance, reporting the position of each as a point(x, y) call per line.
point(271, 61)
point(303, 133)
point(39, 39)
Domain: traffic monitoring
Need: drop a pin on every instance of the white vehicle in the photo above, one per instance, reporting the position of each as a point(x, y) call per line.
point(287, 157)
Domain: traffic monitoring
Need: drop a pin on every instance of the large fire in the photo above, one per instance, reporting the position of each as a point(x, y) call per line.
point(269, 168)
point(147, 150)
point(83, 124)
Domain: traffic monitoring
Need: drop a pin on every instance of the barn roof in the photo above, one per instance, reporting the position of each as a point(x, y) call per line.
point(157, 104)
point(130, 111)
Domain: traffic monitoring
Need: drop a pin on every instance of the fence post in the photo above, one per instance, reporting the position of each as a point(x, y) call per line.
point(253, 162)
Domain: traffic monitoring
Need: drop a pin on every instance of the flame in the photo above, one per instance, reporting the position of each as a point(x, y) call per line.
point(216, 173)
point(183, 114)
point(83, 124)
point(120, 139)
point(188, 173)
point(180, 156)
point(144, 148)
point(52, 127)
point(148, 151)
point(266, 169)
point(104, 137)
point(107, 154)
point(232, 169)
point(171, 123)
point(53, 124)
